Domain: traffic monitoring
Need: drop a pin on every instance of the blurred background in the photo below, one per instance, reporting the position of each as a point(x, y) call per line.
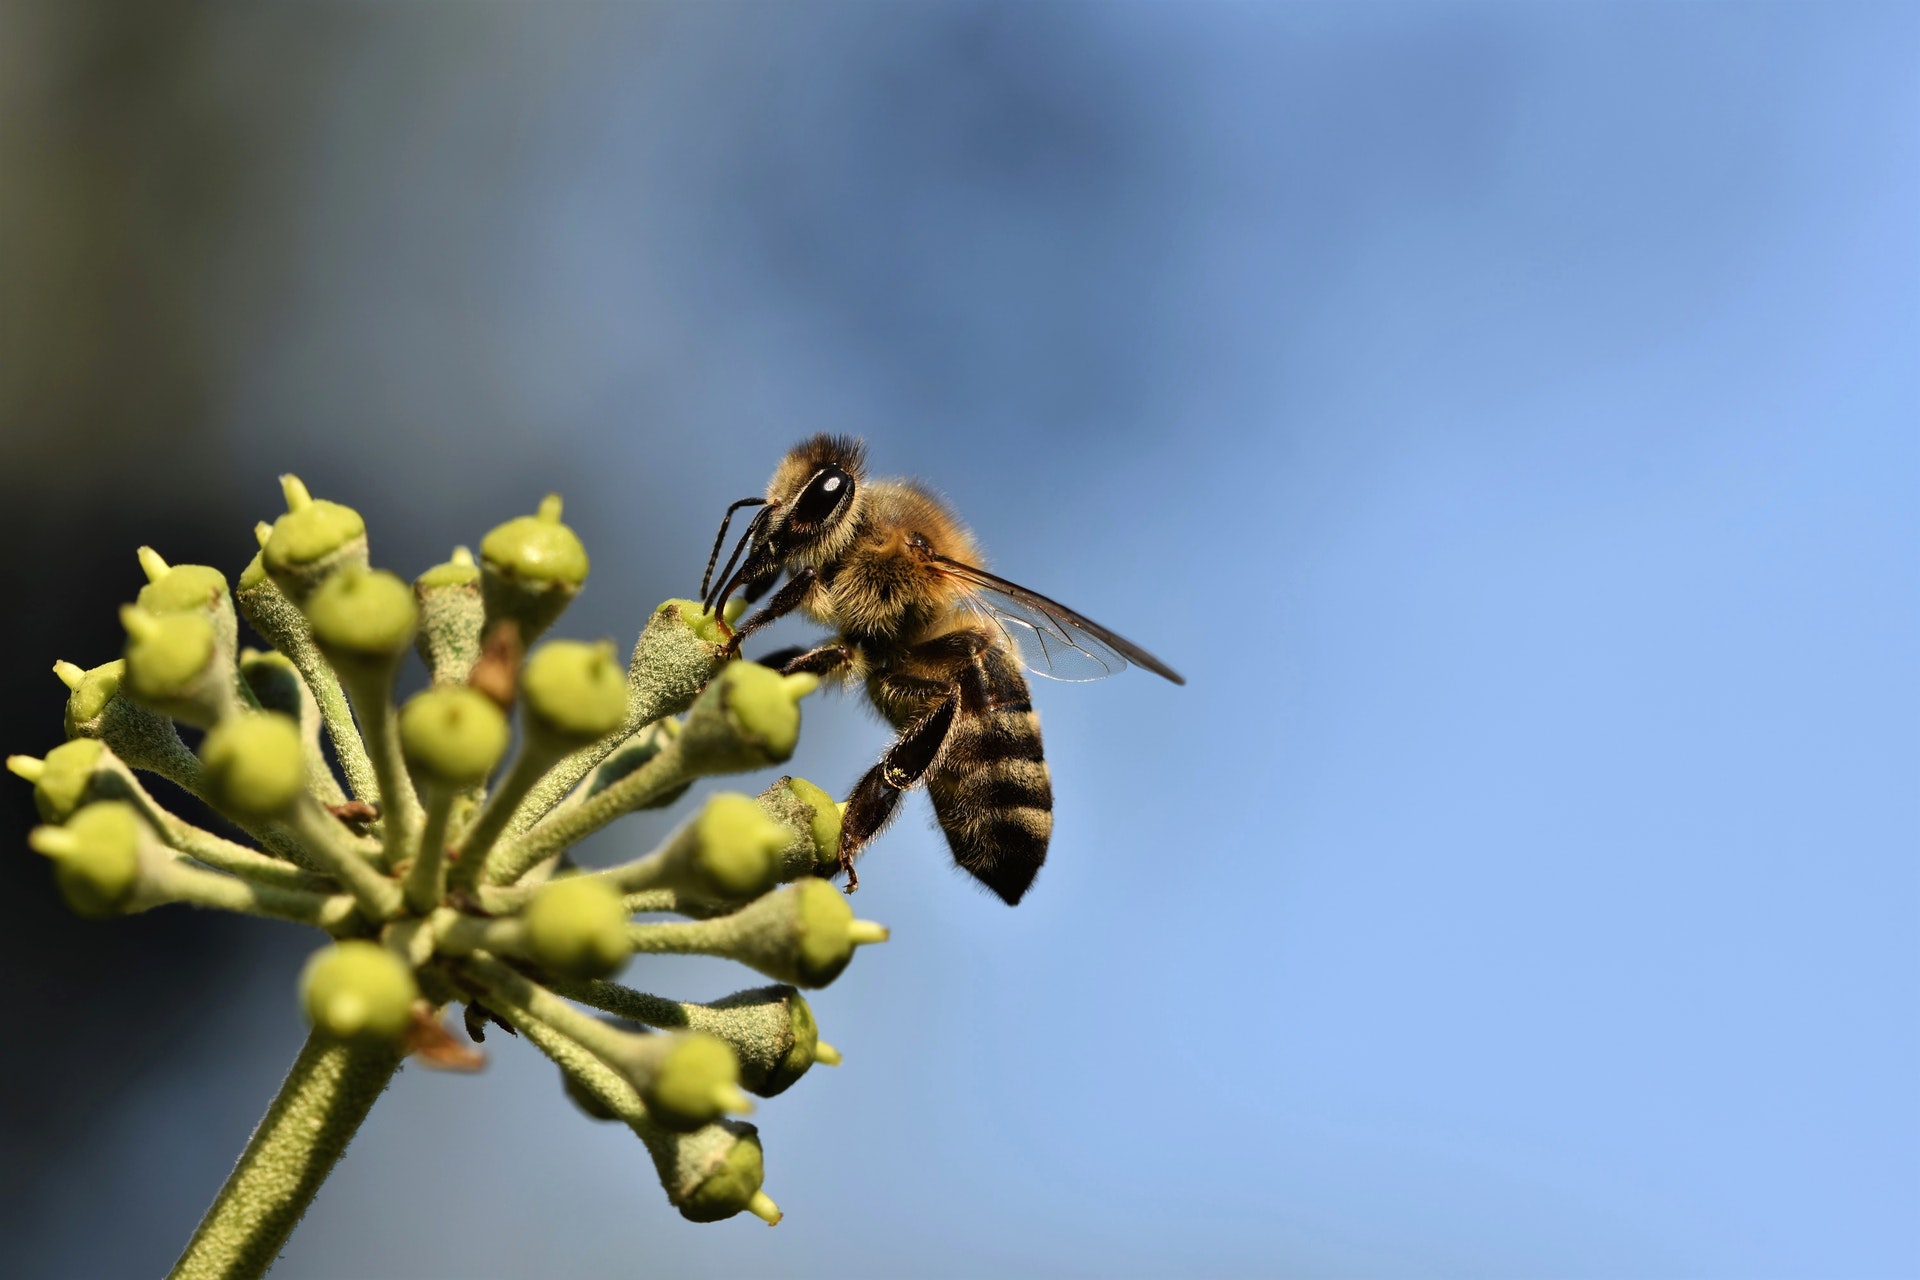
point(1505, 415)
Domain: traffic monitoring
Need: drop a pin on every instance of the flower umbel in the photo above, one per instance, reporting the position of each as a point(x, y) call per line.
point(434, 861)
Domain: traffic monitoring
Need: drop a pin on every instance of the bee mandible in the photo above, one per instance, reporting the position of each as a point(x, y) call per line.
point(938, 642)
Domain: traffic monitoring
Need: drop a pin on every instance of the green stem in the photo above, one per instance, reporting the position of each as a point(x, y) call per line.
point(318, 1110)
point(183, 882)
point(427, 878)
point(476, 846)
point(332, 849)
point(574, 823)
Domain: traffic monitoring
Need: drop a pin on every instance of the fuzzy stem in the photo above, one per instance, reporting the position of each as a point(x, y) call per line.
point(427, 878)
point(183, 882)
point(399, 807)
point(476, 846)
point(569, 826)
point(318, 1110)
point(202, 845)
point(332, 848)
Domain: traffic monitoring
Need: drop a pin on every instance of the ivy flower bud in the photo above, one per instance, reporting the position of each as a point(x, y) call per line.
point(574, 693)
point(253, 765)
point(813, 821)
point(686, 1080)
point(804, 933)
point(578, 927)
point(773, 1034)
point(139, 737)
point(190, 588)
point(358, 990)
point(453, 735)
point(712, 1173)
point(96, 857)
point(311, 541)
point(532, 566)
point(452, 617)
point(65, 778)
point(170, 665)
point(363, 620)
point(748, 717)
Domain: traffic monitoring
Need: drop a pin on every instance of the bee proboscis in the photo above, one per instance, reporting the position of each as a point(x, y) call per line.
point(939, 643)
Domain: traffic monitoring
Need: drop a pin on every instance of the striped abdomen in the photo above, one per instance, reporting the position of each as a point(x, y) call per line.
point(989, 786)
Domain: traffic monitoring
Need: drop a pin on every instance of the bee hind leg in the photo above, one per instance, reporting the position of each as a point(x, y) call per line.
point(877, 794)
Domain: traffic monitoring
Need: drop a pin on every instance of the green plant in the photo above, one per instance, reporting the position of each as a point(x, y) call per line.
point(441, 877)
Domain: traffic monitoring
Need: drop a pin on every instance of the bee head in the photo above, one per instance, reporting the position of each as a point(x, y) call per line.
point(807, 518)
point(813, 498)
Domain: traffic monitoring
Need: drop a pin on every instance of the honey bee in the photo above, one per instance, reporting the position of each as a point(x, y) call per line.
point(938, 642)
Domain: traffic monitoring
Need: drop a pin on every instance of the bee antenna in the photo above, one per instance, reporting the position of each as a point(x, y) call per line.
point(720, 538)
point(723, 584)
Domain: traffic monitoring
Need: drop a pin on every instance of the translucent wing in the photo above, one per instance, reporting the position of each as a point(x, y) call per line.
point(1052, 640)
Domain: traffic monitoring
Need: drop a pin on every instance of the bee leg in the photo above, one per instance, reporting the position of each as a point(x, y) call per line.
point(877, 794)
point(821, 661)
point(784, 601)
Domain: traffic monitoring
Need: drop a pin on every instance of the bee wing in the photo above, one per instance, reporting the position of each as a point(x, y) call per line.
point(1052, 640)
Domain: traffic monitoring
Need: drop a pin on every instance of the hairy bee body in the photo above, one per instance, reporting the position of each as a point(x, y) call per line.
point(889, 568)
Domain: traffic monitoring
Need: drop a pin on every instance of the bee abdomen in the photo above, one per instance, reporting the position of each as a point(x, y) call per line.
point(993, 798)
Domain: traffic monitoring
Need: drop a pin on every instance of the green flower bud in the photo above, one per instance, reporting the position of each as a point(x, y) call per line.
point(452, 616)
point(453, 735)
point(813, 821)
point(712, 1173)
point(191, 588)
point(748, 717)
point(358, 990)
point(574, 693)
point(773, 1034)
point(96, 857)
point(686, 1080)
point(735, 843)
point(804, 933)
point(312, 540)
point(170, 664)
point(362, 617)
point(140, 738)
point(459, 570)
point(532, 568)
point(65, 778)
point(253, 766)
point(578, 927)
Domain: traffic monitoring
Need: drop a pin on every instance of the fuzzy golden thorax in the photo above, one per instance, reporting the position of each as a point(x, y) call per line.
point(882, 590)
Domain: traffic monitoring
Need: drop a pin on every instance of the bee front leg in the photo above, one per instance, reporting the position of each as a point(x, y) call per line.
point(784, 601)
point(877, 794)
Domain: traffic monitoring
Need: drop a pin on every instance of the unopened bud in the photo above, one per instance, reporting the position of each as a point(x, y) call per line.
point(358, 990)
point(532, 568)
point(748, 717)
point(253, 765)
point(171, 667)
point(362, 618)
point(96, 857)
point(578, 927)
point(574, 693)
point(453, 735)
point(66, 778)
point(312, 540)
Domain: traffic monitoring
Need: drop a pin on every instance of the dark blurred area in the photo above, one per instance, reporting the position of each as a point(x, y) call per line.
point(121, 180)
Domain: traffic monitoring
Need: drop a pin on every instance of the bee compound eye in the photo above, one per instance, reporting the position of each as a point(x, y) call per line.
point(823, 495)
